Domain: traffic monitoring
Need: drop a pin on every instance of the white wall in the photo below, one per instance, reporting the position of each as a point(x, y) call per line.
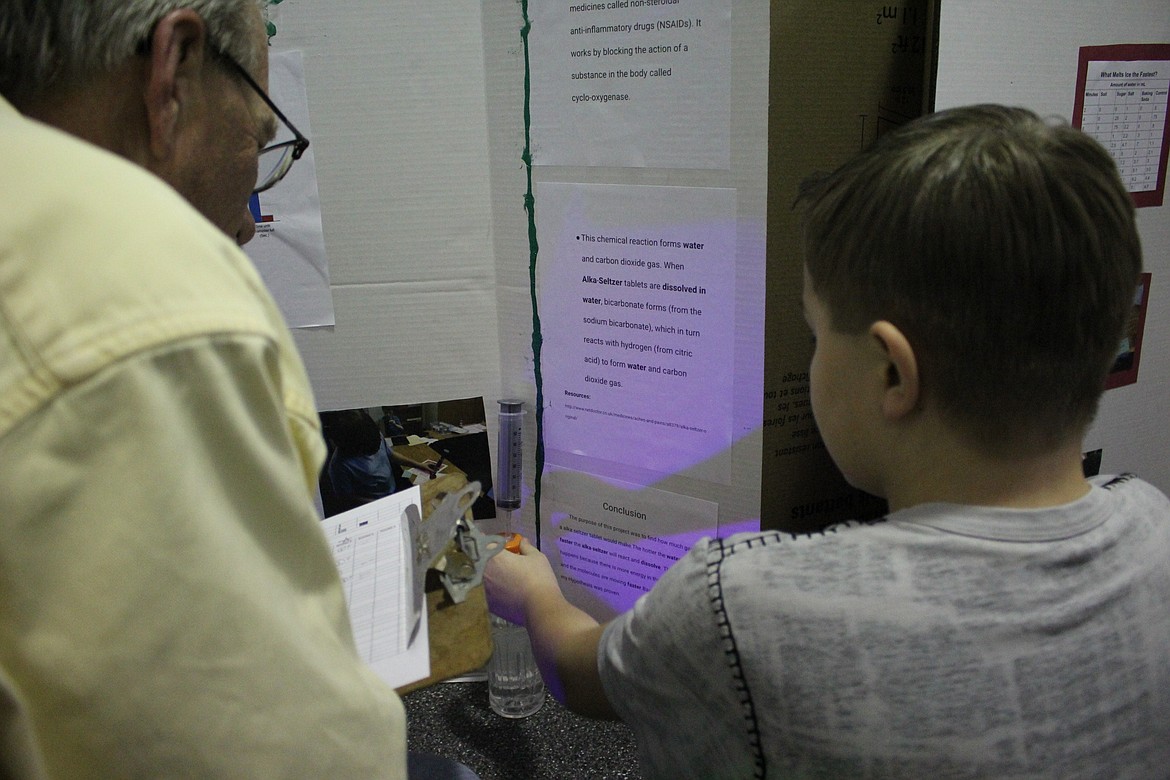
point(1025, 52)
point(416, 111)
point(397, 103)
point(738, 500)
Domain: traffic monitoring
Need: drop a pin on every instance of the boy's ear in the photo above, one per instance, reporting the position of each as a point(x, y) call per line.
point(176, 59)
point(903, 386)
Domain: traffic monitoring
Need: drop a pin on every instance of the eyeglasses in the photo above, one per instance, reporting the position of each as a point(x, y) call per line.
point(275, 160)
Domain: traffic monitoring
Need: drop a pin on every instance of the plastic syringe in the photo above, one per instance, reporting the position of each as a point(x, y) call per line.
point(510, 451)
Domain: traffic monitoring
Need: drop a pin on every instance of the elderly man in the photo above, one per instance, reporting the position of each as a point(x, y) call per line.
point(168, 604)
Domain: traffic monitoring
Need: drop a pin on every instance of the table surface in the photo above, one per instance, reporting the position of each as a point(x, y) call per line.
point(453, 720)
point(415, 455)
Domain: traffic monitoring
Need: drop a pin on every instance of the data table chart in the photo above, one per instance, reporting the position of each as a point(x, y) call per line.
point(1121, 101)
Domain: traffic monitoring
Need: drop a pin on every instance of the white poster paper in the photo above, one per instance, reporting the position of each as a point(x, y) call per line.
point(631, 83)
point(289, 247)
point(610, 541)
point(637, 301)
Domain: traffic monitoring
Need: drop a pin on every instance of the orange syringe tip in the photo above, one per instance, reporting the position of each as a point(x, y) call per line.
point(513, 543)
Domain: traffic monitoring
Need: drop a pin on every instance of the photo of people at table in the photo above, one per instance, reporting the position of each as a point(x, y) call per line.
point(378, 450)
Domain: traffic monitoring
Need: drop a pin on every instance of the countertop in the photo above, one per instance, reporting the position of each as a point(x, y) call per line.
point(453, 720)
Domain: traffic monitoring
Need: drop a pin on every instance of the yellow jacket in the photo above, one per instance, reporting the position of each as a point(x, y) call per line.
point(169, 606)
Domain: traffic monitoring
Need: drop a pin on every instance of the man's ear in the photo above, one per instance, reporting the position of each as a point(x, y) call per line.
point(176, 59)
point(903, 384)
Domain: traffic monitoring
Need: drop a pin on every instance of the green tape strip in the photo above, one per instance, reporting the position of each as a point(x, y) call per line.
point(533, 251)
point(268, 24)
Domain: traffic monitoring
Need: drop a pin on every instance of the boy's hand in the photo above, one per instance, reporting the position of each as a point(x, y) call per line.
point(522, 588)
point(513, 580)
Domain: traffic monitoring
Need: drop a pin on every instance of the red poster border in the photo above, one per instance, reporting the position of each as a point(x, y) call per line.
point(1126, 52)
point(1130, 374)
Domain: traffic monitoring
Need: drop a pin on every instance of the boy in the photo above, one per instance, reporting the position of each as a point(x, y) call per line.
point(967, 281)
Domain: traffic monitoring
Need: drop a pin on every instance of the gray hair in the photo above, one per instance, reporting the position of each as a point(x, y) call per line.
point(47, 44)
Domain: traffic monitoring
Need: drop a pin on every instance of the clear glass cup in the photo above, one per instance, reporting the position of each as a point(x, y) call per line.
point(515, 689)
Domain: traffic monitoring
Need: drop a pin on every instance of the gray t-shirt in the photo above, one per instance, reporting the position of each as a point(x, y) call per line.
point(944, 641)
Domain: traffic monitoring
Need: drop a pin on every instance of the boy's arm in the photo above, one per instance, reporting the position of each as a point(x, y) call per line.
point(523, 589)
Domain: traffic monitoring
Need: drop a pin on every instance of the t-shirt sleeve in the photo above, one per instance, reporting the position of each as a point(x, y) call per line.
point(666, 669)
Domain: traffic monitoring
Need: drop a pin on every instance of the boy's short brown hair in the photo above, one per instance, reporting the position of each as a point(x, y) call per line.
point(1003, 246)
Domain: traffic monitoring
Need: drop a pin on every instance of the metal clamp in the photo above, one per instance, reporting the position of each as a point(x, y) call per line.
point(449, 542)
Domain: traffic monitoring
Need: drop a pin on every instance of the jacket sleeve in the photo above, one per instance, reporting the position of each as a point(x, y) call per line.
point(171, 607)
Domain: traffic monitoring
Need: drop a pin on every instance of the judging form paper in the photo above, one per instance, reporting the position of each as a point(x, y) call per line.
point(376, 564)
